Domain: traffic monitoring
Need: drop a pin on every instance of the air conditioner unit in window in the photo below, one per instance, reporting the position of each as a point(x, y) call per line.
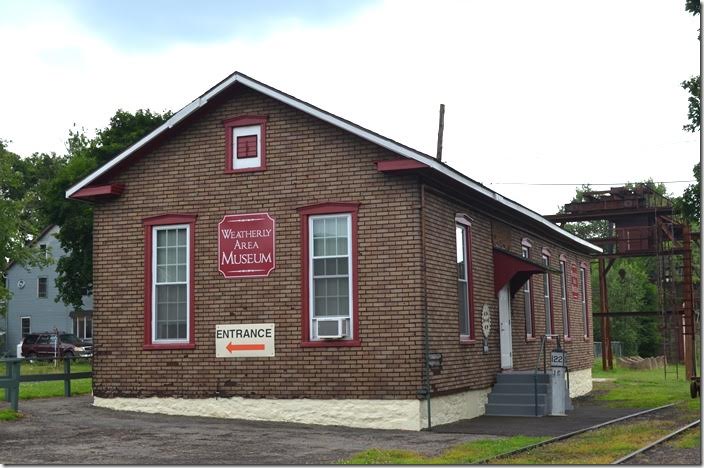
point(332, 328)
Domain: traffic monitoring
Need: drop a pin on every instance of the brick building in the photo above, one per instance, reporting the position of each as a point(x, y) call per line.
point(361, 257)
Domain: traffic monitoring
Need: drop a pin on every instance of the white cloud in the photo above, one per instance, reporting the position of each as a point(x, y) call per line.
point(546, 91)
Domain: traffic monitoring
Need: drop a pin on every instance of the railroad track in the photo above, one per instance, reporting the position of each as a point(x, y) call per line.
point(581, 431)
point(656, 443)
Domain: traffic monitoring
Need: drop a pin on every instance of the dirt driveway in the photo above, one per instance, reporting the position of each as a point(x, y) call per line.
point(71, 431)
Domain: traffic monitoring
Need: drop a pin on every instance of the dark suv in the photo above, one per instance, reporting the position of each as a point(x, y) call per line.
point(46, 345)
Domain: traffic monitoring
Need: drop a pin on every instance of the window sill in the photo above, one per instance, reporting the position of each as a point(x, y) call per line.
point(568, 338)
point(248, 169)
point(159, 346)
point(586, 338)
point(331, 343)
point(468, 341)
point(531, 338)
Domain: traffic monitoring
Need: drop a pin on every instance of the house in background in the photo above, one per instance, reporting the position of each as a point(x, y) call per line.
point(33, 307)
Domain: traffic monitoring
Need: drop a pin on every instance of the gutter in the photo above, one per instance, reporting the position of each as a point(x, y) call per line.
point(425, 388)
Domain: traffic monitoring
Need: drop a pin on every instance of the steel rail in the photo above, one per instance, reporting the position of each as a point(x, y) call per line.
point(657, 442)
point(571, 434)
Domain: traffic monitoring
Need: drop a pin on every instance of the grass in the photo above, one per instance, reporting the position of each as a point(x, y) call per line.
point(469, 452)
point(643, 388)
point(629, 389)
point(598, 447)
point(9, 415)
point(55, 388)
point(690, 439)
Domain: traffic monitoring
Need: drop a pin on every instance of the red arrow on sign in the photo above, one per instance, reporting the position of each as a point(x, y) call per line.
point(244, 347)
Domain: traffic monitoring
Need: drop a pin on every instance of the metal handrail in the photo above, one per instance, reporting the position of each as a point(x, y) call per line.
point(542, 351)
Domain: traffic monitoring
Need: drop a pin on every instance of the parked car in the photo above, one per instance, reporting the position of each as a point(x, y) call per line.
point(45, 345)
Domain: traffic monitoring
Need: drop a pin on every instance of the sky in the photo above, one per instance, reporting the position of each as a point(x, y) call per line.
point(540, 92)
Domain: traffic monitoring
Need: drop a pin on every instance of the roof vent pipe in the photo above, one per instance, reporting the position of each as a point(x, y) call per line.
point(441, 127)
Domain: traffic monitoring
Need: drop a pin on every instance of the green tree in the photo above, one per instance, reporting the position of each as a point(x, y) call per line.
point(75, 269)
point(22, 219)
point(691, 203)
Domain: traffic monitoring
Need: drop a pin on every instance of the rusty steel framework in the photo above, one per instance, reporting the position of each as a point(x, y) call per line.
point(639, 222)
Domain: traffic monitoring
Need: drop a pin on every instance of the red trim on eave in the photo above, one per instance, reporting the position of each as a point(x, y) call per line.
point(100, 191)
point(399, 165)
point(149, 223)
point(328, 208)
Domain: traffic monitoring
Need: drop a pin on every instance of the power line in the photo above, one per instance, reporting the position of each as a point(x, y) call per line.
point(589, 183)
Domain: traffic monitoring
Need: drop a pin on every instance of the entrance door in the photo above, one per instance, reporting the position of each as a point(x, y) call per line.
point(505, 328)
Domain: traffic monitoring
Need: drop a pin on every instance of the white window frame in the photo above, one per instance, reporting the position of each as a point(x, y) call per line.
point(168, 227)
point(27, 317)
point(463, 222)
point(311, 291)
point(81, 322)
point(246, 163)
point(528, 295)
point(547, 296)
point(563, 299)
point(45, 248)
point(46, 287)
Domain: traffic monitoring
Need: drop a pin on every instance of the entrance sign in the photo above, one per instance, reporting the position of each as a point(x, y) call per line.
point(246, 245)
point(244, 340)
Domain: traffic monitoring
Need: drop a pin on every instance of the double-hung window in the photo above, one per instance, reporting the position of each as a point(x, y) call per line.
point(463, 239)
point(329, 275)
point(527, 297)
point(563, 298)
point(169, 286)
point(41, 287)
point(583, 291)
point(25, 323)
point(547, 298)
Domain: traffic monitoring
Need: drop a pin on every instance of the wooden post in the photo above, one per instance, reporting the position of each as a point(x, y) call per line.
point(67, 377)
point(441, 129)
point(15, 387)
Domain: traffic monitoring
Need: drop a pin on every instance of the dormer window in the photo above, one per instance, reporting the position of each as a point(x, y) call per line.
point(245, 140)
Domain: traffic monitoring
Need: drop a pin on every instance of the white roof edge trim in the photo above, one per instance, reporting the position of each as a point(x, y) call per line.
point(336, 121)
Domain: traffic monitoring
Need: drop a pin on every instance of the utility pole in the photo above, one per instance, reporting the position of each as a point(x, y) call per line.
point(441, 128)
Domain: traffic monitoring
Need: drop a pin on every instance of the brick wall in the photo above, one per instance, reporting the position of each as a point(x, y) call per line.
point(465, 366)
point(308, 162)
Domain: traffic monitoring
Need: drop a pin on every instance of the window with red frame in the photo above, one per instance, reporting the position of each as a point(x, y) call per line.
point(583, 291)
point(329, 270)
point(527, 297)
point(169, 281)
point(563, 299)
point(245, 140)
point(547, 297)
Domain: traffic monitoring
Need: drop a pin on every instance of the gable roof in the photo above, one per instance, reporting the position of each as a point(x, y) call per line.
point(35, 241)
point(391, 145)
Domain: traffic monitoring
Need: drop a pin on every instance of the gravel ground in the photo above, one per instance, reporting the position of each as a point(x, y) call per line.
point(666, 454)
point(71, 431)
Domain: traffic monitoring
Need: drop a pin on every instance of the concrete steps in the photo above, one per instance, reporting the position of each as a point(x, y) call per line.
point(514, 395)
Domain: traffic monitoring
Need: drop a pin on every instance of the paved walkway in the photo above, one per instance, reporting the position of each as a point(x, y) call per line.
point(586, 413)
point(71, 431)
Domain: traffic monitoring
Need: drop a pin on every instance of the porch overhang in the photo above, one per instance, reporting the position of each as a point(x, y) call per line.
point(513, 269)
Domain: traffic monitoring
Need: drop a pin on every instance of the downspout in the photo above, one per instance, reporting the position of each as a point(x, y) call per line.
point(424, 306)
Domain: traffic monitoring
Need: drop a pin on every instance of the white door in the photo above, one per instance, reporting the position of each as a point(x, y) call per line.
point(505, 328)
